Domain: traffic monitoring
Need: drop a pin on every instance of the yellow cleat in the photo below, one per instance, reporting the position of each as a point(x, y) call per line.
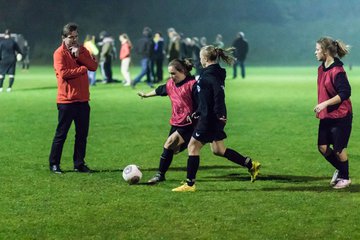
point(254, 171)
point(184, 188)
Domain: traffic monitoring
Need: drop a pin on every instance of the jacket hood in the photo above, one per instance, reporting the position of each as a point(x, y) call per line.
point(216, 70)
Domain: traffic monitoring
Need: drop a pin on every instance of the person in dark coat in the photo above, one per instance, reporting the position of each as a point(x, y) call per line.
point(241, 49)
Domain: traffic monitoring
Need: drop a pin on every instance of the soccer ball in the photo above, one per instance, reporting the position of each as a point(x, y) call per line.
point(132, 174)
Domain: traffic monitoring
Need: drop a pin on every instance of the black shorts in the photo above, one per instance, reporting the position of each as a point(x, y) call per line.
point(7, 68)
point(210, 131)
point(185, 132)
point(335, 132)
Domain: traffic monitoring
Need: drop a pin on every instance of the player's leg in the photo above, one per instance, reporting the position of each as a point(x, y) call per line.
point(219, 149)
point(341, 135)
point(193, 163)
point(171, 146)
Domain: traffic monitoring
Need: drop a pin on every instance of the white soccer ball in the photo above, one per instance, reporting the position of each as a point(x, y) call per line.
point(132, 174)
point(18, 57)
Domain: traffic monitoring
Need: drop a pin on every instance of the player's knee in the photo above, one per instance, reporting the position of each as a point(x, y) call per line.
point(323, 149)
point(171, 143)
point(218, 152)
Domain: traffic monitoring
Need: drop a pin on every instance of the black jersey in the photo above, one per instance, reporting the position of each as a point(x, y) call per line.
point(211, 94)
point(8, 50)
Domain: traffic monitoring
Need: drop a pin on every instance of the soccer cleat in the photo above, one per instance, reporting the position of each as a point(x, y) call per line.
point(335, 178)
point(342, 183)
point(157, 178)
point(82, 169)
point(184, 188)
point(8, 89)
point(55, 169)
point(1, 89)
point(254, 171)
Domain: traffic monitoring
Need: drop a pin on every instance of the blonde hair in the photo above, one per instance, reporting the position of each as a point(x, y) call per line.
point(334, 47)
point(124, 35)
point(215, 54)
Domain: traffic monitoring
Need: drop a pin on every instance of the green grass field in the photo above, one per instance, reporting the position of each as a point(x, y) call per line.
point(270, 118)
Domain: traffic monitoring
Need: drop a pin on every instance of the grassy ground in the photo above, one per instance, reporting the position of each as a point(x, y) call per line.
point(270, 119)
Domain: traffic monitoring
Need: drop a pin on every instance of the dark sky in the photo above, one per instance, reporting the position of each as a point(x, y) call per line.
point(279, 31)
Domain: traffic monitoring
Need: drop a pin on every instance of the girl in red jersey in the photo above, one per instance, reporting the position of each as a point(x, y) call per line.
point(180, 89)
point(334, 108)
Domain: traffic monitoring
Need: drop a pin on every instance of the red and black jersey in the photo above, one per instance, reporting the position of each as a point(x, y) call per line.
point(182, 100)
point(332, 81)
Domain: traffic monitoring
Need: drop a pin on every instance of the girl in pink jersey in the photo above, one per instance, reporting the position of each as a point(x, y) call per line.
point(180, 89)
point(334, 108)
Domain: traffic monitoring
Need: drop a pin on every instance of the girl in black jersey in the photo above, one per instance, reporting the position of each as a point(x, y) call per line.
point(180, 89)
point(211, 115)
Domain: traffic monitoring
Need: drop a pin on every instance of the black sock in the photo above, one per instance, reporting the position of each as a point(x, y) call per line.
point(165, 160)
point(1, 82)
point(192, 167)
point(344, 169)
point(331, 157)
point(238, 158)
point(11, 82)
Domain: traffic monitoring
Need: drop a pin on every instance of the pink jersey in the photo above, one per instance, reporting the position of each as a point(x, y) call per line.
point(326, 90)
point(181, 102)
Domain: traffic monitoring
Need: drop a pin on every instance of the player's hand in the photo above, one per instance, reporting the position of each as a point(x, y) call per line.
point(75, 51)
point(318, 108)
point(141, 94)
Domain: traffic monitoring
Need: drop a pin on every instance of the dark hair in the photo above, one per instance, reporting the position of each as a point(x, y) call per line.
point(68, 28)
point(215, 53)
point(185, 66)
point(335, 47)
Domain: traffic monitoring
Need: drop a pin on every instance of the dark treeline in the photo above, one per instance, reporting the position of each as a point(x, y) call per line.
point(279, 31)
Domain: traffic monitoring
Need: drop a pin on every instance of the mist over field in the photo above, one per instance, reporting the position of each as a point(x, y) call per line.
point(279, 32)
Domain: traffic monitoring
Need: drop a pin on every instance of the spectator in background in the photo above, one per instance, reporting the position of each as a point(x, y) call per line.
point(26, 56)
point(196, 54)
point(173, 48)
point(157, 58)
point(241, 49)
point(71, 63)
point(125, 57)
point(107, 54)
point(219, 41)
point(144, 48)
point(203, 42)
point(8, 51)
point(89, 44)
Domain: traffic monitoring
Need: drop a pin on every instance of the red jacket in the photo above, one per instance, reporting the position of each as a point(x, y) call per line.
point(326, 90)
point(125, 51)
point(71, 74)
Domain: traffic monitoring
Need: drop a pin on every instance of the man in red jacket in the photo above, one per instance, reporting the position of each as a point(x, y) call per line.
point(71, 62)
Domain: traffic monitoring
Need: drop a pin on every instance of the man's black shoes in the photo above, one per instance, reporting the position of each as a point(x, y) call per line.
point(82, 169)
point(55, 169)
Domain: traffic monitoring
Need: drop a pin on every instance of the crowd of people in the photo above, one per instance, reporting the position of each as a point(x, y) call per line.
point(153, 49)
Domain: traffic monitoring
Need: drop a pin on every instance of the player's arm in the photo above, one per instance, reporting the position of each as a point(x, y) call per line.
point(159, 91)
point(86, 59)
point(343, 89)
